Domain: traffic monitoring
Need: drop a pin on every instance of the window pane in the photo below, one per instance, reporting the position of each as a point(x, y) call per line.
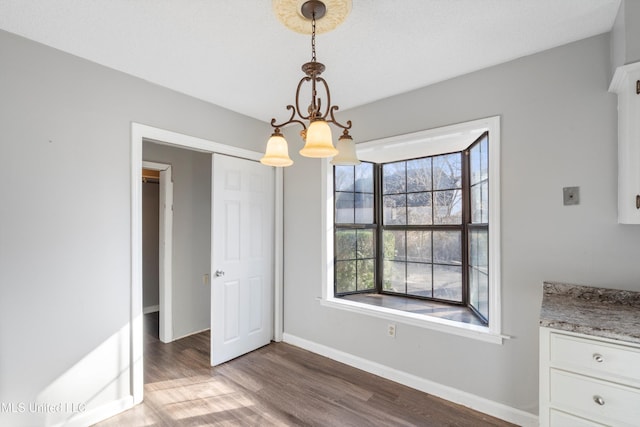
point(345, 244)
point(480, 182)
point(447, 282)
point(479, 291)
point(344, 208)
point(366, 274)
point(343, 178)
point(364, 178)
point(395, 209)
point(393, 178)
point(345, 276)
point(419, 279)
point(476, 204)
point(394, 276)
point(474, 164)
point(419, 246)
point(480, 203)
point(419, 210)
point(447, 247)
point(481, 246)
point(366, 246)
point(419, 175)
point(473, 247)
point(364, 208)
point(448, 207)
point(394, 244)
point(483, 295)
point(478, 270)
point(484, 217)
point(447, 172)
point(484, 158)
point(474, 299)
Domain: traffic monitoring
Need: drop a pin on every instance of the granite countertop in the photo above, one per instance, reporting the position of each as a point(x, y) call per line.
point(607, 313)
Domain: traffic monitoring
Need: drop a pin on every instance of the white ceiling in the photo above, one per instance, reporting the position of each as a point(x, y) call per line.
point(236, 54)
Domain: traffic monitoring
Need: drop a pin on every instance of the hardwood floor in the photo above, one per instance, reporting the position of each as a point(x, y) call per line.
point(277, 385)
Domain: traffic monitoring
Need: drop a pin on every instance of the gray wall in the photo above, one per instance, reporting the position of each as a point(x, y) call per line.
point(558, 129)
point(150, 242)
point(625, 36)
point(65, 237)
point(191, 174)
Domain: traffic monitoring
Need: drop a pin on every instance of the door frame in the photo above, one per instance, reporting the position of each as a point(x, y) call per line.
point(165, 249)
point(139, 133)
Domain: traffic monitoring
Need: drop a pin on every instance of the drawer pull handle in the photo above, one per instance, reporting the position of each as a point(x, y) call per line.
point(598, 400)
point(598, 358)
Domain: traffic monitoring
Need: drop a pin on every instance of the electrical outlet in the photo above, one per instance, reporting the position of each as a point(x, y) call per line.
point(391, 330)
point(571, 196)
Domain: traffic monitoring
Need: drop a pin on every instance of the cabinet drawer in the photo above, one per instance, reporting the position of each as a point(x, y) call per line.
point(597, 357)
point(580, 395)
point(562, 419)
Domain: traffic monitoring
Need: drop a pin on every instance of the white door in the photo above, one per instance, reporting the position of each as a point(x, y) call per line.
point(241, 257)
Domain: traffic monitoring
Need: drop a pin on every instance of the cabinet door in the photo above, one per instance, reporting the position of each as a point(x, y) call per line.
point(596, 358)
point(603, 401)
point(562, 419)
point(625, 84)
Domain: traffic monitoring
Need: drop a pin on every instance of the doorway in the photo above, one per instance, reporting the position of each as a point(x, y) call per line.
point(139, 134)
point(190, 260)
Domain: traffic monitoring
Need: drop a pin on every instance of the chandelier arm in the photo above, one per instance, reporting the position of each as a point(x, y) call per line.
point(335, 122)
point(329, 107)
point(291, 119)
point(315, 102)
point(302, 80)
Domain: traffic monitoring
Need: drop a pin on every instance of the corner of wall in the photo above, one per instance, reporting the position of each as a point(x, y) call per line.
point(617, 40)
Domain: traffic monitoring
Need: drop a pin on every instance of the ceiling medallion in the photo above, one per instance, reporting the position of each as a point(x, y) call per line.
point(289, 12)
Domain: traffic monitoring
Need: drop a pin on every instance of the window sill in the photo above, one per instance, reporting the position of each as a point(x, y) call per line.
point(407, 304)
point(481, 333)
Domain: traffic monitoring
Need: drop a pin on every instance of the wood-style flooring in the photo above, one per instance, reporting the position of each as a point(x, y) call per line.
point(277, 385)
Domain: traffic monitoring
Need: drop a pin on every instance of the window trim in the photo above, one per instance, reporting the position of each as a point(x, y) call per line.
point(433, 141)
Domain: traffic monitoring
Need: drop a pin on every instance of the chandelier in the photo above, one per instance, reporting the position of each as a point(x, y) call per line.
point(316, 132)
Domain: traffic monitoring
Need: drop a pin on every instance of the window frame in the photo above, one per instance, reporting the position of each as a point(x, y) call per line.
point(413, 145)
point(433, 228)
point(356, 226)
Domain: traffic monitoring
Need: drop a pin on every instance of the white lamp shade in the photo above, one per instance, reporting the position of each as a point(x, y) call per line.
point(318, 142)
point(346, 152)
point(277, 153)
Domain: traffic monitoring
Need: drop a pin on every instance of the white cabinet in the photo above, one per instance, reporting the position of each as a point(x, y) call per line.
point(588, 381)
point(626, 84)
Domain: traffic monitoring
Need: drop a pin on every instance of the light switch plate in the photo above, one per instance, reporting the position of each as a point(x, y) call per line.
point(571, 196)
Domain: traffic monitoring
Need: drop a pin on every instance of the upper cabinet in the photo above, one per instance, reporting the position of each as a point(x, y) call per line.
point(626, 84)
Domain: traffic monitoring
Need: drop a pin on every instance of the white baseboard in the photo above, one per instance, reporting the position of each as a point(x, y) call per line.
point(98, 414)
point(189, 334)
point(489, 407)
point(151, 309)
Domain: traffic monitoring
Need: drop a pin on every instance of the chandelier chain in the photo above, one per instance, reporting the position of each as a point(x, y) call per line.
point(313, 37)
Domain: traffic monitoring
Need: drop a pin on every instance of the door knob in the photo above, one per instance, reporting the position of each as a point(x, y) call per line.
point(219, 273)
